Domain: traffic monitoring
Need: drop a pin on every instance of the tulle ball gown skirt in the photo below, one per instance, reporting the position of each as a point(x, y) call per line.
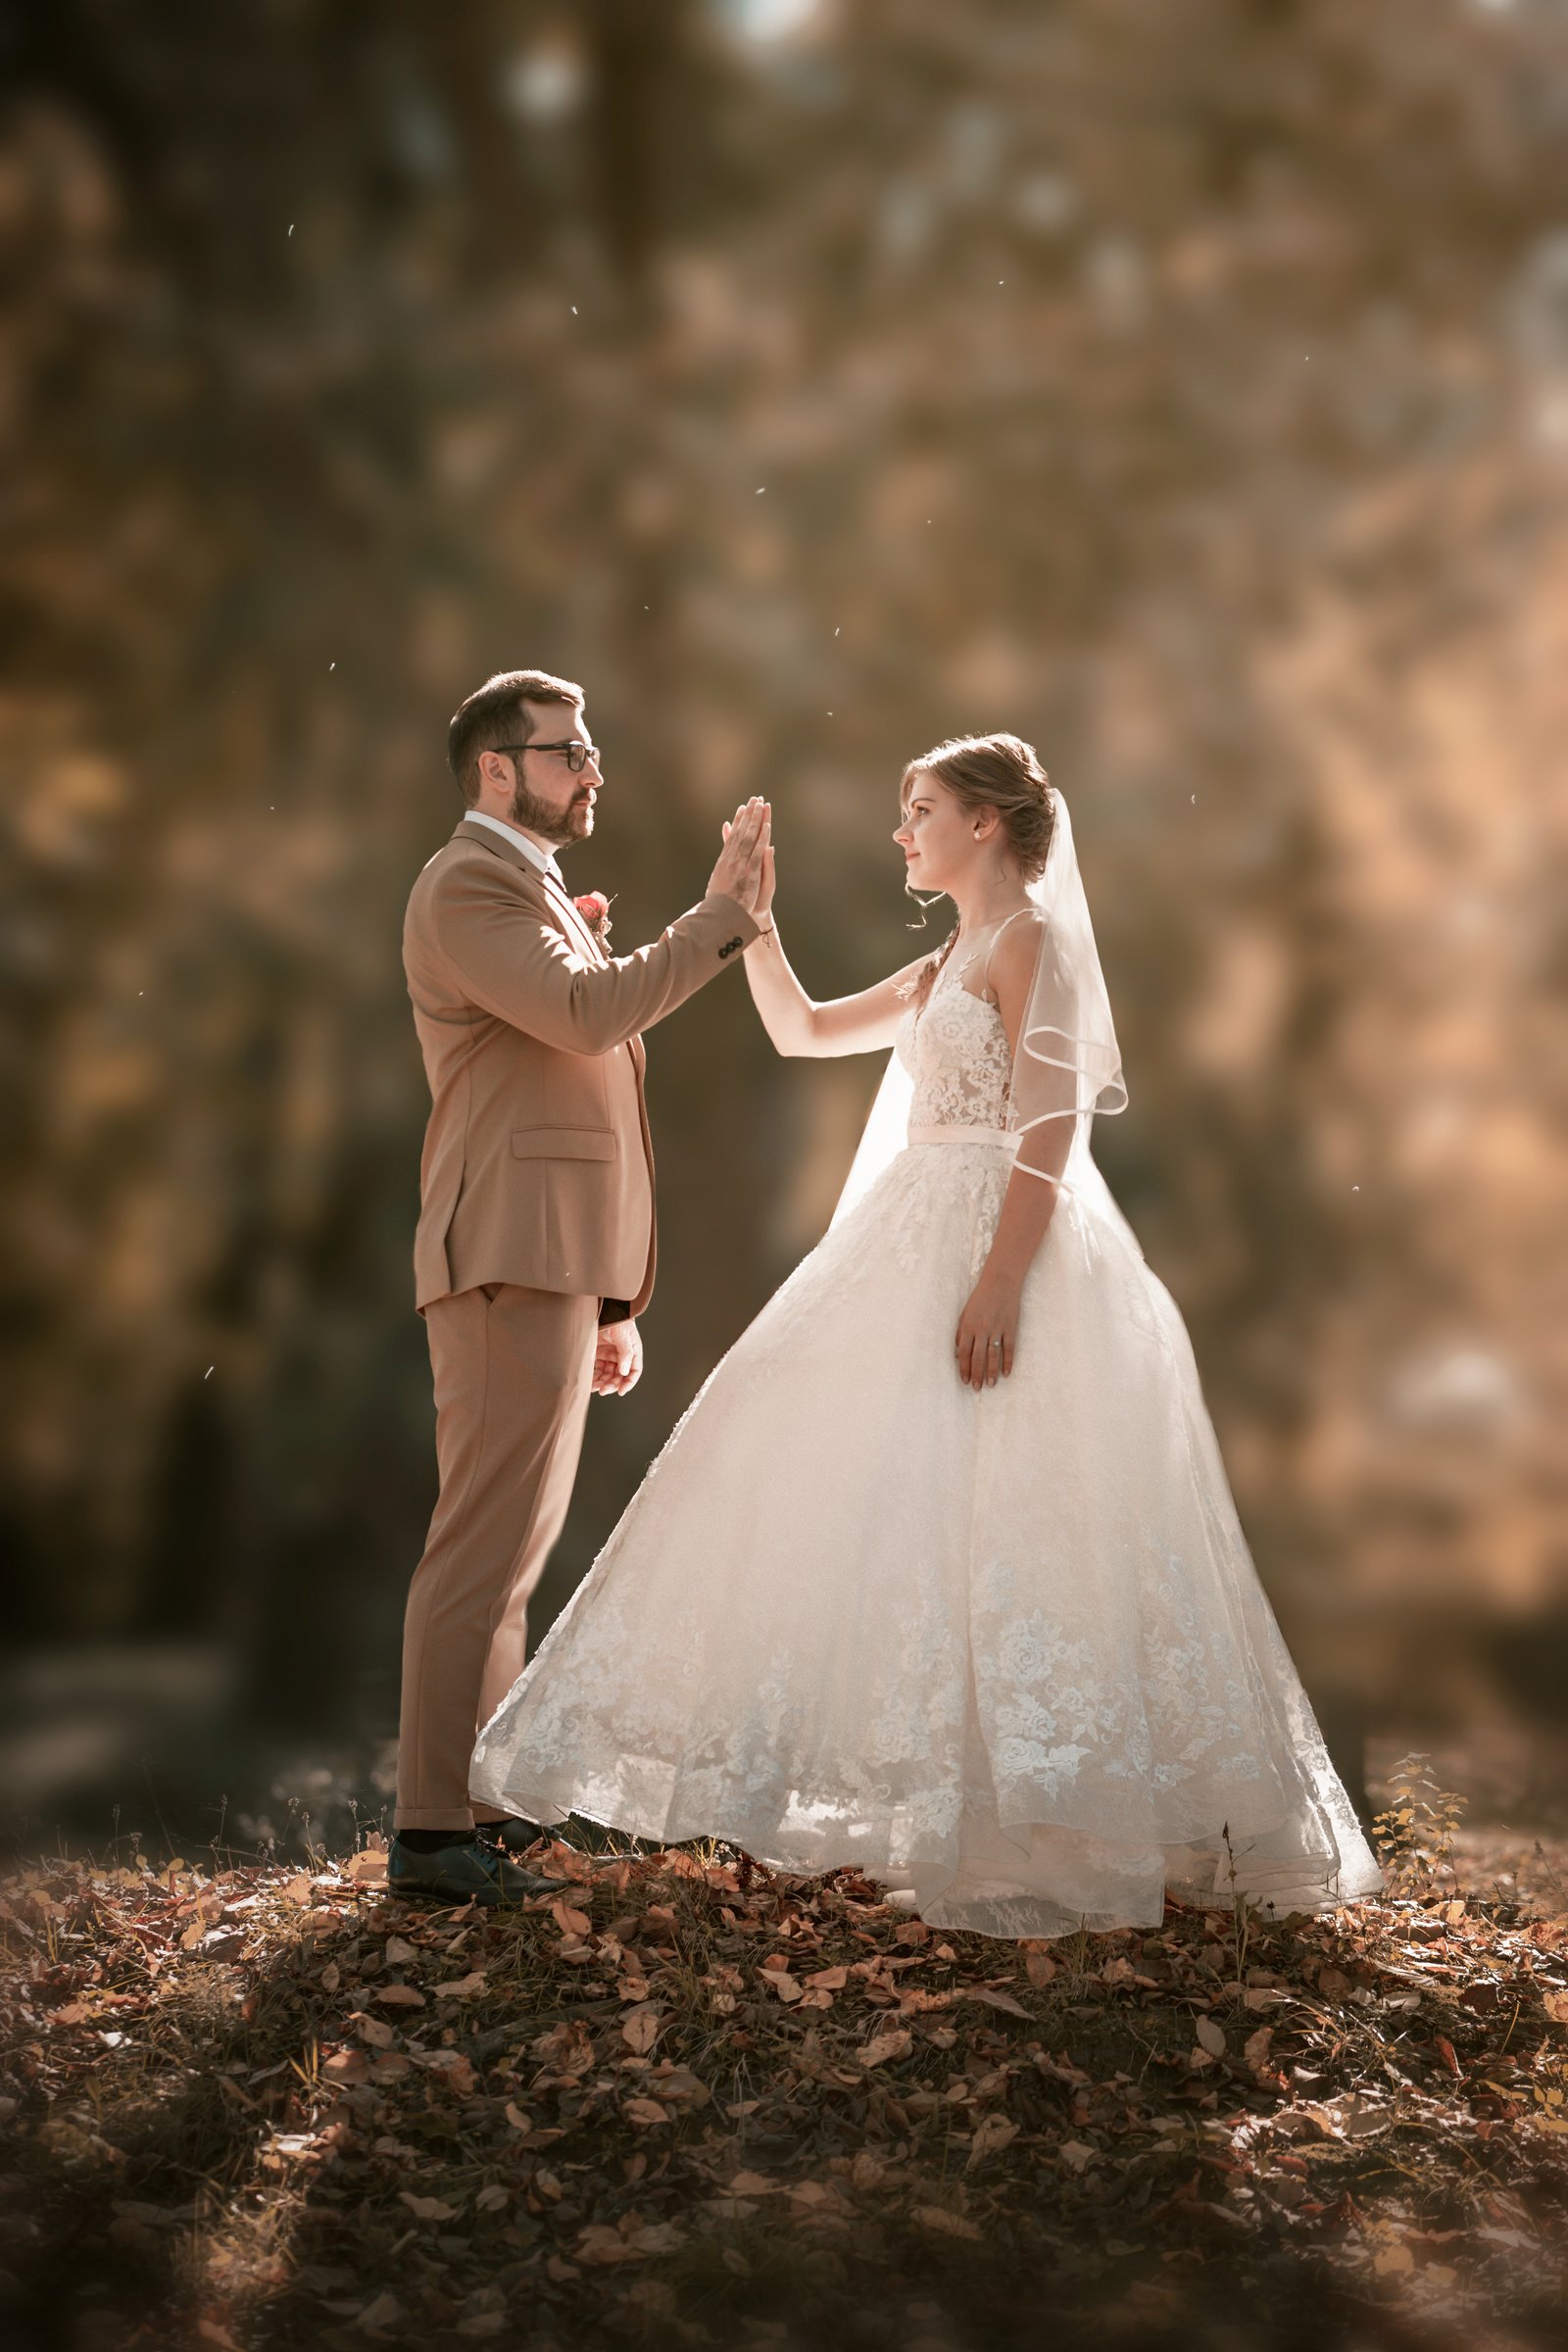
point(1008, 1651)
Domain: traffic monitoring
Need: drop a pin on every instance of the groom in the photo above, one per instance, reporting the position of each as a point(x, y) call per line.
point(535, 1246)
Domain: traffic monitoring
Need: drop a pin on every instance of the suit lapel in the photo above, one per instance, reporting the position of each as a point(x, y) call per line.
point(568, 908)
point(560, 901)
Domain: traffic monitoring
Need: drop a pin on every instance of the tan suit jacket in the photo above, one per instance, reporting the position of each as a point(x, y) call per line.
point(538, 1166)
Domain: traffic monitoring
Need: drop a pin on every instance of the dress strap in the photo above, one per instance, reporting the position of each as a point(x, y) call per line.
point(990, 951)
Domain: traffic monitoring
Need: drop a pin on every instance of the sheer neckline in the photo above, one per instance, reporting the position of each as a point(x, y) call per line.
point(964, 952)
point(950, 982)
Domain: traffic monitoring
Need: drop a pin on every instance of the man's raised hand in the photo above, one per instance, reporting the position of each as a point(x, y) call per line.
point(738, 874)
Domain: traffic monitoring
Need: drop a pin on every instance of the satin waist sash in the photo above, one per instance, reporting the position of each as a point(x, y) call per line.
point(964, 1135)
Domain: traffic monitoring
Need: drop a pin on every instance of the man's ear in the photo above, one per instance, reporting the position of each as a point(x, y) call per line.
point(494, 771)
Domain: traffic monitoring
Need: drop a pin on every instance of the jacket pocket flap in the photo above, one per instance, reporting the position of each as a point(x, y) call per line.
point(563, 1142)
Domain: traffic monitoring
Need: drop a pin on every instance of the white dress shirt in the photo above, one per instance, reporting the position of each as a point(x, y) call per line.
point(531, 850)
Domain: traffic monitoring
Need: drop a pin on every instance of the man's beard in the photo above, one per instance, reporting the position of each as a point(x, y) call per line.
point(558, 826)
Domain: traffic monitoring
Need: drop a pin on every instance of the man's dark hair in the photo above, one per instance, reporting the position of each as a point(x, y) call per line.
point(495, 715)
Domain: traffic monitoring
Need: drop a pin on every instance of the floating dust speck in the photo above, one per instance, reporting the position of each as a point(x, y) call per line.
point(208, 1374)
point(331, 665)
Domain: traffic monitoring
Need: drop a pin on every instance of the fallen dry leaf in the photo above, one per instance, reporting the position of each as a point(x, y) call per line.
point(884, 2047)
point(999, 2001)
point(565, 2049)
point(639, 2029)
point(679, 2083)
point(644, 2112)
point(996, 2132)
point(427, 2209)
point(942, 2224)
point(456, 2072)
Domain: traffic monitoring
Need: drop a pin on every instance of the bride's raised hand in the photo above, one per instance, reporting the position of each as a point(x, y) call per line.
point(764, 907)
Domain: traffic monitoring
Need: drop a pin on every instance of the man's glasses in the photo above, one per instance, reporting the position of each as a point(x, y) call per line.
point(578, 754)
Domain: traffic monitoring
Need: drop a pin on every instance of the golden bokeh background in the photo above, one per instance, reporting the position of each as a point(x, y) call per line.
point(1186, 389)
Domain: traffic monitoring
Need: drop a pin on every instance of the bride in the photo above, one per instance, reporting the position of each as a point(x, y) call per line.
point(940, 1574)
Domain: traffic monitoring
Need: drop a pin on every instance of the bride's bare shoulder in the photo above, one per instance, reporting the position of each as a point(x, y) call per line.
point(1017, 946)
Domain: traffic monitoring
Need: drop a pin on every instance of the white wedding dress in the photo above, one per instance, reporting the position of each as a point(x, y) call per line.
point(1008, 1651)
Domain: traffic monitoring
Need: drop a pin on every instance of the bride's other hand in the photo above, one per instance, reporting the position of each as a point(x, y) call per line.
point(618, 1358)
point(988, 1332)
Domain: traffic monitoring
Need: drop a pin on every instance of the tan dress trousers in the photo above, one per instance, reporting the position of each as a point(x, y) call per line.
point(514, 1373)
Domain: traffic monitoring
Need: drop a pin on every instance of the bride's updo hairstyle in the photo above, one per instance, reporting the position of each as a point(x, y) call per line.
point(994, 771)
point(988, 772)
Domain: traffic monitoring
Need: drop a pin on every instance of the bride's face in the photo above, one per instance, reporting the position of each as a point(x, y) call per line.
point(937, 835)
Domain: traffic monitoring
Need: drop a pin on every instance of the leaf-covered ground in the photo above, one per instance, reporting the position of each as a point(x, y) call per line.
point(690, 2104)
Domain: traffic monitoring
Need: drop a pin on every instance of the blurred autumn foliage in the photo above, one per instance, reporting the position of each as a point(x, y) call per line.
point(1187, 389)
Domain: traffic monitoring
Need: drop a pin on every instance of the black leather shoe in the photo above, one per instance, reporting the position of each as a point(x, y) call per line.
point(512, 1837)
point(470, 1870)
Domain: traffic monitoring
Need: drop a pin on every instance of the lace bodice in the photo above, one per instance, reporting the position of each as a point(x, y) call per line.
point(955, 1051)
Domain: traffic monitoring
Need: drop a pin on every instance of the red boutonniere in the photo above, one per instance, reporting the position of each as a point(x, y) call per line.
point(594, 908)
